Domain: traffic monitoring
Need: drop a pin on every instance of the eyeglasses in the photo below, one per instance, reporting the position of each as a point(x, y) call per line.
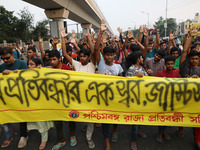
point(6, 58)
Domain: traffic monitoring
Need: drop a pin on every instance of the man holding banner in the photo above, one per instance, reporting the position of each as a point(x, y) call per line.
point(108, 67)
point(85, 56)
point(12, 65)
point(191, 69)
point(136, 69)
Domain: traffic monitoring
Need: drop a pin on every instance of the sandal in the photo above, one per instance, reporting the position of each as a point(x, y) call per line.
point(58, 146)
point(7, 142)
point(180, 133)
point(114, 138)
point(167, 137)
point(42, 145)
point(91, 144)
point(159, 139)
point(73, 142)
point(133, 147)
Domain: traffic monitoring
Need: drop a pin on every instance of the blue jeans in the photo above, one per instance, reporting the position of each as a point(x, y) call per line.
point(161, 129)
point(8, 130)
point(105, 128)
point(134, 132)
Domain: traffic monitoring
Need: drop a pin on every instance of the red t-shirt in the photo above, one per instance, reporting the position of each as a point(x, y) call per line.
point(64, 67)
point(165, 73)
point(116, 62)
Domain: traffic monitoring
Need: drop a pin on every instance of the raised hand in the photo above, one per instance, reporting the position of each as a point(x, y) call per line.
point(145, 32)
point(88, 33)
point(117, 39)
point(73, 40)
point(55, 40)
point(186, 31)
point(40, 39)
point(92, 34)
point(73, 34)
point(171, 36)
point(119, 30)
point(62, 32)
point(155, 29)
point(141, 29)
point(129, 34)
point(104, 39)
point(103, 25)
point(84, 39)
point(193, 32)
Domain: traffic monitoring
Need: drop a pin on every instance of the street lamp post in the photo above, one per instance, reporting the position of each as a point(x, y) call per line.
point(165, 25)
point(148, 16)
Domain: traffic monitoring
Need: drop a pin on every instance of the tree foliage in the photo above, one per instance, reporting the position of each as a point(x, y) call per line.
point(41, 30)
point(25, 24)
point(171, 26)
point(8, 25)
point(14, 28)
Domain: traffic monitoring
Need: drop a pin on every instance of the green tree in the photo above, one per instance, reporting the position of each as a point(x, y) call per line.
point(171, 26)
point(136, 32)
point(25, 25)
point(41, 30)
point(8, 25)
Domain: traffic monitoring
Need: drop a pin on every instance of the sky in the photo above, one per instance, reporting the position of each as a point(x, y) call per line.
point(123, 13)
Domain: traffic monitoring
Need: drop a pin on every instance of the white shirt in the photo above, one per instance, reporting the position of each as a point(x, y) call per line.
point(114, 70)
point(90, 67)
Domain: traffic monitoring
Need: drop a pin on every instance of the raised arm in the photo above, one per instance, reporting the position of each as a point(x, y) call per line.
point(140, 34)
point(171, 37)
point(89, 38)
point(97, 44)
point(41, 47)
point(120, 34)
point(118, 43)
point(73, 41)
point(193, 33)
point(146, 42)
point(63, 46)
point(157, 38)
point(55, 42)
point(128, 36)
point(185, 37)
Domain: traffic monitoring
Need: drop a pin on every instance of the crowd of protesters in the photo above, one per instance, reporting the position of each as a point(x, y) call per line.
point(123, 55)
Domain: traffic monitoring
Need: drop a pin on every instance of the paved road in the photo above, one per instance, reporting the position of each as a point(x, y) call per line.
point(124, 133)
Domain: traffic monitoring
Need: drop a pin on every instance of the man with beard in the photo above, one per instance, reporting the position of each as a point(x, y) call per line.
point(156, 63)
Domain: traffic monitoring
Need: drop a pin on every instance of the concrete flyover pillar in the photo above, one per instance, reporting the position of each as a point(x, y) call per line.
point(85, 26)
point(57, 15)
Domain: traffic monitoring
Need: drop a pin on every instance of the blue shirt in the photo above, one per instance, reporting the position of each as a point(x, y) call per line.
point(151, 54)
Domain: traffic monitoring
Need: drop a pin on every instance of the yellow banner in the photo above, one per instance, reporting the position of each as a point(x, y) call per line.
point(51, 94)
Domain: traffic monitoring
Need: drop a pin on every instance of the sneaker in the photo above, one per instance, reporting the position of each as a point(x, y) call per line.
point(7, 142)
point(22, 142)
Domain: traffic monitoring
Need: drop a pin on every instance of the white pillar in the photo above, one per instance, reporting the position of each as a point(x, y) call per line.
point(85, 27)
point(57, 16)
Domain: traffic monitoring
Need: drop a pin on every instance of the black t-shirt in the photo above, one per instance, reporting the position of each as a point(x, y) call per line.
point(186, 71)
point(47, 63)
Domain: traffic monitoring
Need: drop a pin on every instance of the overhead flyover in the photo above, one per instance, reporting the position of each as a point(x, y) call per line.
point(85, 12)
